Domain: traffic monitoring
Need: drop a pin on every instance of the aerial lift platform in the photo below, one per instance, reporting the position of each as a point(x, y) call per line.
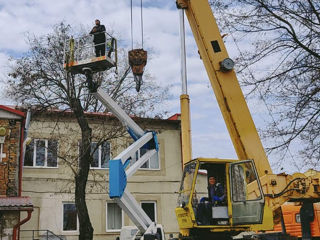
point(79, 59)
point(79, 54)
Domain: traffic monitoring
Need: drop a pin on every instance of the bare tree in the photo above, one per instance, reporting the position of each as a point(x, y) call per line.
point(282, 66)
point(38, 78)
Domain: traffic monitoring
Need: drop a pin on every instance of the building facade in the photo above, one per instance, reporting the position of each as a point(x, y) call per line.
point(51, 162)
point(12, 204)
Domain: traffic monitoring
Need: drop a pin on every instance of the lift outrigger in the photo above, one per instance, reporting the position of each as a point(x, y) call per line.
point(79, 59)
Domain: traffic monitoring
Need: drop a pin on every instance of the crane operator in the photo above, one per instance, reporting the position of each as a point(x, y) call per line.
point(216, 197)
point(215, 191)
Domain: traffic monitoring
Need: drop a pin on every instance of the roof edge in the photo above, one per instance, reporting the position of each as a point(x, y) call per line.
point(12, 110)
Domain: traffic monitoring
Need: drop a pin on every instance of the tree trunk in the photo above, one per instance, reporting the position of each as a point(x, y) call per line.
point(86, 229)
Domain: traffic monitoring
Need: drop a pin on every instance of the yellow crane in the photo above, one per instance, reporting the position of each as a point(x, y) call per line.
point(254, 195)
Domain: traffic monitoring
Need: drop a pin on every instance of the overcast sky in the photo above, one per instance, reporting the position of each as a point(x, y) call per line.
point(161, 38)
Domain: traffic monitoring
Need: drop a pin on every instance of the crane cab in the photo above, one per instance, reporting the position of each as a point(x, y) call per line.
point(241, 206)
point(81, 53)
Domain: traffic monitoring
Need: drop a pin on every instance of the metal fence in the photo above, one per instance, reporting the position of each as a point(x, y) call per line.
point(39, 235)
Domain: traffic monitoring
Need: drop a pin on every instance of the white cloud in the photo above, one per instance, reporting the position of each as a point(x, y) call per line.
point(214, 145)
point(4, 62)
point(5, 69)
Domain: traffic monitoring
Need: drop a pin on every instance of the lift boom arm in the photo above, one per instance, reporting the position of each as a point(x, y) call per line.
point(118, 167)
point(118, 178)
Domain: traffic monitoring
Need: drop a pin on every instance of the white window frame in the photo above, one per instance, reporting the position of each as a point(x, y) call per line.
point(62, 216)
point(99, 155)
point(45, 153)
point(148, 161)
point(122, 219)
point(155, 207)
point(2, 155)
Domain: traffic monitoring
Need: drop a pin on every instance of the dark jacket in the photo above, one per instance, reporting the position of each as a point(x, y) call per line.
point(98, 34)
point(216, 190)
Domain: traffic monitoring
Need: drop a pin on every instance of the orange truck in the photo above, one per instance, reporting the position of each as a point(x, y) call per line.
point(291, 215)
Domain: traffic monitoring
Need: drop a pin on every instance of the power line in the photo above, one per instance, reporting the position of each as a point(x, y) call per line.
point(131, 27)
point(141, 23)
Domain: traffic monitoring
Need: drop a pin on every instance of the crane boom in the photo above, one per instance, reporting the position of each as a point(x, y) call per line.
point(225, 85)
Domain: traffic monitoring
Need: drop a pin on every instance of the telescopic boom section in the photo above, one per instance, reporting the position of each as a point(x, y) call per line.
point(225, 85)
point(126, 120)
point(184, 99)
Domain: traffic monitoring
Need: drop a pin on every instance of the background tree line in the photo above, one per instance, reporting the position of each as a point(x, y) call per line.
point(281, 65)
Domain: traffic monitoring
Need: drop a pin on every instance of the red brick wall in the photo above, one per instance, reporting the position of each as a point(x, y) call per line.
point(9, 167)
point(3, 180)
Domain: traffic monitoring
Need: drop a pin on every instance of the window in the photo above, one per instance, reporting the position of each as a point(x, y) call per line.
point(150, 208)
point(41, 153)
point(242, 175)
point(186, 183)
point(151, 163)
point(70, 220)
point(100, 154)
point(114, 221)
point(1, 152)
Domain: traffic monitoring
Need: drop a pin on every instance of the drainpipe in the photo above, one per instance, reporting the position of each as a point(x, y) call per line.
point(24, 135)
point(21, 157)
point(15, 228)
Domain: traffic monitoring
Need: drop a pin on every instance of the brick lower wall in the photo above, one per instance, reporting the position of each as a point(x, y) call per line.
point(7, 221)
point(9, 167)
point(3, 179)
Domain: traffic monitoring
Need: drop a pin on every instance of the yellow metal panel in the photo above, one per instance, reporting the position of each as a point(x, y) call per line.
point(215, 160)
point(184, 218)
point(267, 223)
point(295, 186)
point(185, 129)
point(71, 45)
point(229, 194)
point(226, 87)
